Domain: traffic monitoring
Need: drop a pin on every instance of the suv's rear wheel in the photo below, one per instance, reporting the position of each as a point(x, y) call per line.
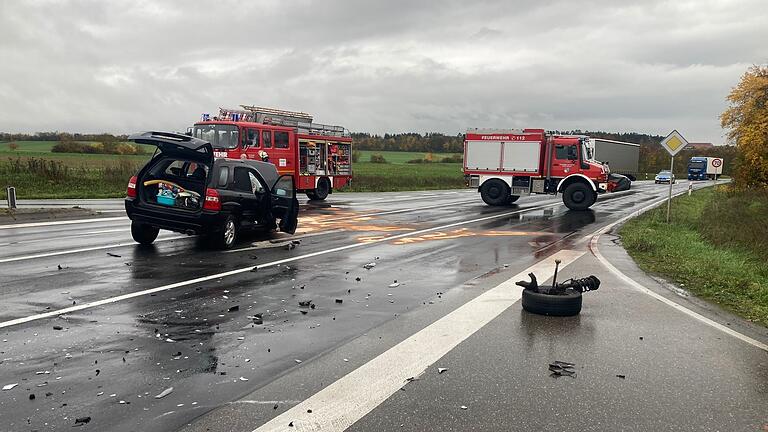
point(321, 191)
point(227, 234)
point(144, 234)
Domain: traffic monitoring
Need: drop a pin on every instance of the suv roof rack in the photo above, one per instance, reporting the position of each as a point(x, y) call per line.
point(300, 121)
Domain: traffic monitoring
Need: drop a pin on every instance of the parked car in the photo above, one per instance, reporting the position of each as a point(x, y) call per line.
point(665, 177)
point(183, 189)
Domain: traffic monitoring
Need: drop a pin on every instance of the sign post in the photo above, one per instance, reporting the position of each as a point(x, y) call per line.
point(717, 163)
point(673, 143)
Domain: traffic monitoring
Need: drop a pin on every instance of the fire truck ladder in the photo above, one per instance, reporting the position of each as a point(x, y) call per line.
point(301, 121)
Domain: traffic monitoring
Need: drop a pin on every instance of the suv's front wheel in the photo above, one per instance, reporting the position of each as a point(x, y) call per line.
point(226, 236)
point(143, 234)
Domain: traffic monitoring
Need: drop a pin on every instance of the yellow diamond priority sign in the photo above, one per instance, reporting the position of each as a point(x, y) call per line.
point(674, 142)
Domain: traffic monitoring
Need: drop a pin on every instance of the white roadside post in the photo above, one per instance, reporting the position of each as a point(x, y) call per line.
point(674, 142)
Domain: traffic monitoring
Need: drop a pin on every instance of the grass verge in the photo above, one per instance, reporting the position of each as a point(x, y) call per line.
point(700, 252)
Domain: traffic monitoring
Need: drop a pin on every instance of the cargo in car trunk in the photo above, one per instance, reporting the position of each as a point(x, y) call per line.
point(175, 183)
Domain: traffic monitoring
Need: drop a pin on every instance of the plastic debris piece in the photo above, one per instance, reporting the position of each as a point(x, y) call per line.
point(339, 301)
point(243, 379)
point(346, 360)
point(463, 407)
point(297, 361)
point(621, 376)
point(234, 309)
point(303, 312)
point(164, 393)
point(114, 255)
point(369, 266)
point(394, 285)
point(58, 327)
point(169, 340)
point(309, 411)
point(305, 303)
point(290, 424)
point(441, 370)
point(9, 386)
point(31, 396)
point(82, 420)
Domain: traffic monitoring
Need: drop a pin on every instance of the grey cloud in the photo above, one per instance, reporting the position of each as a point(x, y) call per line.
point(378, 66)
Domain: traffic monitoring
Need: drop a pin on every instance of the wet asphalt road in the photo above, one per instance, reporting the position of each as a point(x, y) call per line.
point(199, 335)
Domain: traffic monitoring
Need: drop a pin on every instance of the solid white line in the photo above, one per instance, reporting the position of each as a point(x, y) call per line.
point(671, 303)
point(89, 233)
point(350, 398)
point(87, 249)
point(66, 222)
point(638, 286)
point(250, 268)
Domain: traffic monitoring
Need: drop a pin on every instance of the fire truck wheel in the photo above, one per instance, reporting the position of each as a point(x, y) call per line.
point(552, 304)
point(513, 198)
point(321, 191)
point(578, 196)
point(143, 234)
point(495, 192)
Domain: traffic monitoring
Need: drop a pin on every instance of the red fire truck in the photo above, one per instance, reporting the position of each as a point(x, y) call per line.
point(318, 156)
point(506, 164)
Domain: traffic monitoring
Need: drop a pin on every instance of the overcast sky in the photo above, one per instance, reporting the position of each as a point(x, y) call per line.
point(379, 66)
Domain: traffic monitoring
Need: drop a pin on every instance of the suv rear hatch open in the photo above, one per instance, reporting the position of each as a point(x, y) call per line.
point(178, 173)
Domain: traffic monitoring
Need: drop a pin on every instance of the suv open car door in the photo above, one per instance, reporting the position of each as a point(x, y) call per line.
point(285, 206)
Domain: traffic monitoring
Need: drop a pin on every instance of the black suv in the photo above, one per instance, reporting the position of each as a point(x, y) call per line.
point(182, 188)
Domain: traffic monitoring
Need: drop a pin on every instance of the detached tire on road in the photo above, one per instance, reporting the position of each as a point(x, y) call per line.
point(578, 196)
point(552, 305)
point(144, 234)
point(495, 192)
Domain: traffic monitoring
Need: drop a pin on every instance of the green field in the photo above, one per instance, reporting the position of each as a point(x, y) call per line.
point(376, 177)
point(714, 247)
point(396, 157)
point(38, 173)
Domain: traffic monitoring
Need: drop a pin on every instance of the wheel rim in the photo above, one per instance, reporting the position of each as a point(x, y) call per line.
point(579, 196)
point(494, 192)
point(229, 232)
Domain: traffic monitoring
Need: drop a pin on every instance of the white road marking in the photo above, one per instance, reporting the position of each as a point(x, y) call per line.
point(89, 233)
point(638, 286)
point(671, 303)
point(65, 222)
point(86, 249)
point(347, 400)
point(250, 268)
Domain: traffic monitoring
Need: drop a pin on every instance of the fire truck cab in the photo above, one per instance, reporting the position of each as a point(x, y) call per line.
point(505, 164)
point(318, 156)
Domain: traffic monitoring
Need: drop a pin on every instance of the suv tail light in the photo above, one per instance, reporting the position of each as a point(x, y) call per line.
point(131, 191)
point(212, 200)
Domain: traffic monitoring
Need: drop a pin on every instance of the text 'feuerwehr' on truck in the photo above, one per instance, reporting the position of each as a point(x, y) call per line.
point(505, 164)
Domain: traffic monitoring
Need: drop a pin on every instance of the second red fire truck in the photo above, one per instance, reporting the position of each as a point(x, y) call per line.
point(318, 156)
point(507, 164)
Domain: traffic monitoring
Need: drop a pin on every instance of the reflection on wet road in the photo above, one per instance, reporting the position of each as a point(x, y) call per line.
point(217, 340)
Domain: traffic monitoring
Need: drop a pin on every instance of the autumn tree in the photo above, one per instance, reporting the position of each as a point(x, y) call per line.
point(746, 120)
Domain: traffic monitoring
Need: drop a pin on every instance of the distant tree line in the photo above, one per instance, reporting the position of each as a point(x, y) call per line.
point(410, 142)
point(62, 136)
